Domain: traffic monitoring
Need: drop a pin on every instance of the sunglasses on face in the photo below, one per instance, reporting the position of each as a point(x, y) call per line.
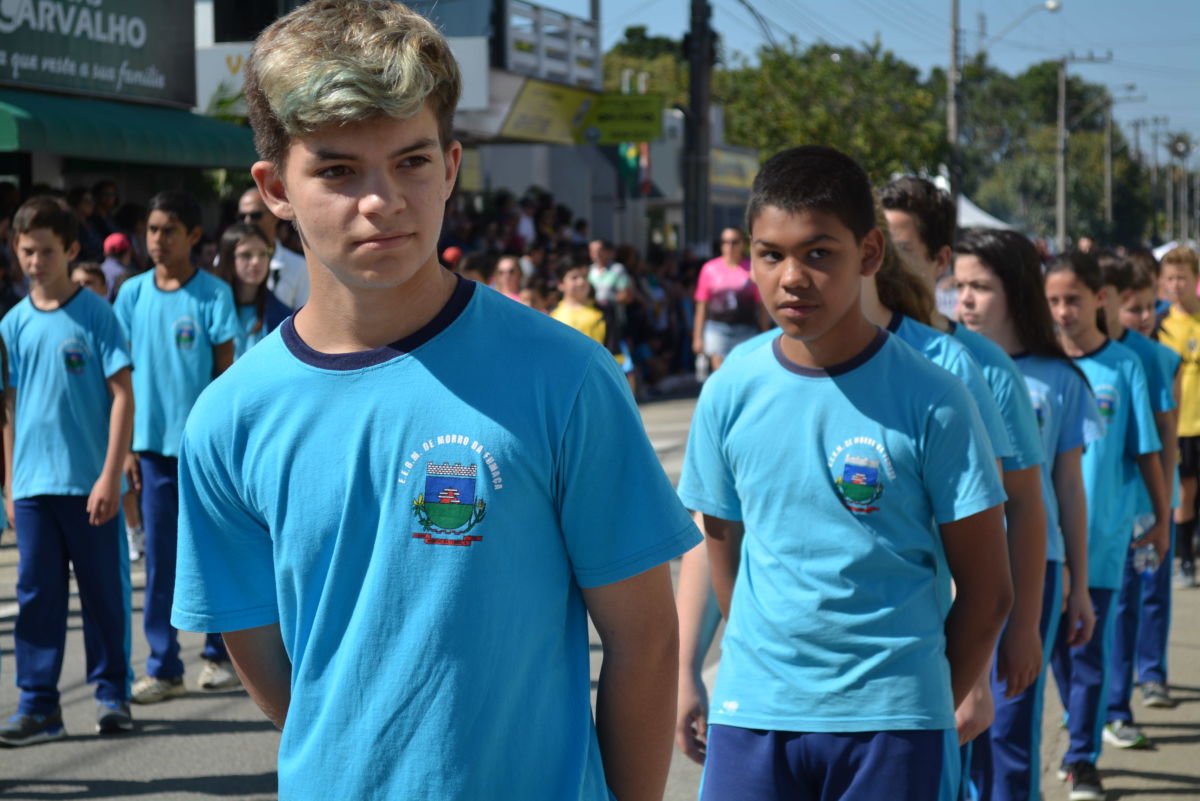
point(253, 216)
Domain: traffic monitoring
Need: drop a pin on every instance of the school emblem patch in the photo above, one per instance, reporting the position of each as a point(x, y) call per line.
point(859, 467)
point(1108, 400)
point(74, 355)
point(448, 509)
point(185, 329)
point(1041, 408)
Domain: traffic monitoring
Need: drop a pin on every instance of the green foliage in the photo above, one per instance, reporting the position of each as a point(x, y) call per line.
point(865, 102)
point(638, 45)
point(667, 75)
point(879, 109)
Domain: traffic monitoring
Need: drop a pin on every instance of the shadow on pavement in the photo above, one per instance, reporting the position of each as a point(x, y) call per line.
point(158, 727)
point(217, 786)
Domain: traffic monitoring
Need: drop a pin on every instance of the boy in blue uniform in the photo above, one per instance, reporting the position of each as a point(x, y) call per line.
point(70, 412)
point(843, 480)
point(180, 323)
point(1120, 730)
point(402, 505)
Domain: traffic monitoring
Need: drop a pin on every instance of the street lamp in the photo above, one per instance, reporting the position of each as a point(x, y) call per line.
point(1053, 6)
point(952, 79)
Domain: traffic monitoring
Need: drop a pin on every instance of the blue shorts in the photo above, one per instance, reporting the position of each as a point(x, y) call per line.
point(720, 338)
point(757, 765)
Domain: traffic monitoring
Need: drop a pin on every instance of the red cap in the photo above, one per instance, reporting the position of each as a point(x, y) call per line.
point(452, 254)
point(115, 244)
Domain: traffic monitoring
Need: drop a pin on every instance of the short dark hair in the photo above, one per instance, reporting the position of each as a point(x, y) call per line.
point(1144, 259)
point(1117, 272)
point(49, 213)
point(567, 263)
point(814, 178)
point(181, 205)
point(932, 210)
point(92, 269)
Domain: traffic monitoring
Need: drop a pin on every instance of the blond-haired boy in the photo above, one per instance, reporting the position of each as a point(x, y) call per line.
point(396, 507)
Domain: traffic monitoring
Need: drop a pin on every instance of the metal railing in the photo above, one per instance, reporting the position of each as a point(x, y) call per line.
point(552, 45)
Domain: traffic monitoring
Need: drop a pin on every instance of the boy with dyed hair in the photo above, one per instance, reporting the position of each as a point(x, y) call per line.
point(416, 619)
point(836, 514)
point(70, 410)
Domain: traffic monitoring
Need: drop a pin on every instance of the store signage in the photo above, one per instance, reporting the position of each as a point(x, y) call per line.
point(128, 49)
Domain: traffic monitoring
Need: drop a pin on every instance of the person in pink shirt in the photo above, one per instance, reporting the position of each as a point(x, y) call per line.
point(728, 307)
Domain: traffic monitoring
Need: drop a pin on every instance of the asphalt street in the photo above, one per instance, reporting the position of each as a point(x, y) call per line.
point(219, 746)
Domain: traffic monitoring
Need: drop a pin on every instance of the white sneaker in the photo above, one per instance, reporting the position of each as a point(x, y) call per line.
point(218, 676)
point(136, 537)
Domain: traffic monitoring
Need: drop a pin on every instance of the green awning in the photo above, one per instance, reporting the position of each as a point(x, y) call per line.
point(111, 131)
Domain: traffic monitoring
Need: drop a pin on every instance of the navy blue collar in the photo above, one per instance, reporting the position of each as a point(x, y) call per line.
point(463, 292)
point(858, 360)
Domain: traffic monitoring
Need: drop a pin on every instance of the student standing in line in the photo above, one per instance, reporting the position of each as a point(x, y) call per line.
point(922, 221)
point(1180, 331)
point(835, 514)
point(416, 620)
point(180, 323)
point(69, 403)
point(1120, 731)
point(1138, 314)
point(1112, 467)
point(891, 298)
point(999, 279)
point(244, 262)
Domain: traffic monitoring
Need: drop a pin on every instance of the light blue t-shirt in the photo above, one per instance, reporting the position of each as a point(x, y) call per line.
point(1067, 418)
point(1110, 468)
point(59, 362)
point(1160, 381)
point(420, 520)
point(1012, 398)
point(839, 478)
point(948, 353)
point(171, 336)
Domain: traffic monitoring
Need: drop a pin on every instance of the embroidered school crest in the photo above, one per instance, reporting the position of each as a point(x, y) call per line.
point(448, 509)
point(1041, 408)
point(859, 467)
point(1108, 400)
point(185, 333)
point(74, 355)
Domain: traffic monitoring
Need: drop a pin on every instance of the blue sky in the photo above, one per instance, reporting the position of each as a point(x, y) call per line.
point(1155, 44)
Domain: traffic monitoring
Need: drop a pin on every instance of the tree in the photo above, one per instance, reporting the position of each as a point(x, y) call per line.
point(638, 45)
point(866, 102)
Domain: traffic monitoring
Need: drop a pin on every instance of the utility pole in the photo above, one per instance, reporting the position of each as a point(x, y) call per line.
point(1060, 163)
point(1060, 182)
point(1108, 198)
point(700, 51)
point(1170, 190)
point(952, 107)
point(1183, 203)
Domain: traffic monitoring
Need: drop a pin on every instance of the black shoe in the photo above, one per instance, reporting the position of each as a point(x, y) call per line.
point(1085, 782)
point(113, 717)
point(23, 729)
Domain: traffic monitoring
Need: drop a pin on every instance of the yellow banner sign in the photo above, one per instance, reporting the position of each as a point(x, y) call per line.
point(564, 115)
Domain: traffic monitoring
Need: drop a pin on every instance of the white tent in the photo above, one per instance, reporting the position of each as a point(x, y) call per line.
point(971, 216)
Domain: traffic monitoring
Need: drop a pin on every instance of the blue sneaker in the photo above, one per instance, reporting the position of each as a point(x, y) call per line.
point(31, 729)
point(113, 717)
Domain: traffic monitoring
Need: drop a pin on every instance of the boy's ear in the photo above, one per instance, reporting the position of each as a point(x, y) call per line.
point(872, 247)
point(944, 258)
point(269, 180)
point(73, 252)
point(194, 236)
point(453, 157)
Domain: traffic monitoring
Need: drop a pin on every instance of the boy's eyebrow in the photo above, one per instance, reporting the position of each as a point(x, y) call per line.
point(812, 240)
point(322, 154)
